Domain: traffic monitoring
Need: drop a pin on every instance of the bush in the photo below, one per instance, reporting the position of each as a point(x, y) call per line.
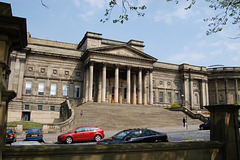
point(174, 105)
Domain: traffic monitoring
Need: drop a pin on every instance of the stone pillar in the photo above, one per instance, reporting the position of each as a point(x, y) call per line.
point(203, 93)
point(116, 84)
point(99, 87)
point(86, 84)
point(134, 89)
point(128, 84)
point(185, 91)
point(150, 88)
point(11, 76)
point(144, 90)
point(21, 75)
point(104, 73)
point(90, 82)
point(191, 93)
point(236, 89)
point(216, 92)
point(140, 86)
point(226, 90)
point(207, 97)
point(224, 128)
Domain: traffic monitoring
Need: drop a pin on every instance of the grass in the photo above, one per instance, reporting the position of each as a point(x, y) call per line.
point(26, 124)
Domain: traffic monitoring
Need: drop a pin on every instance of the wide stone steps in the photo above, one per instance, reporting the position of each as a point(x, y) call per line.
point(118, 117)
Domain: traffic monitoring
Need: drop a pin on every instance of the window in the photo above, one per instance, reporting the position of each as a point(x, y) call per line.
point(176, 97)
point(41, 86)
point(53, 89)
point(65, 90)
point(28, 87)
point(77, 91)
point(153, 96)
point(160, 96)
point(26, 107)
point(169, 97)
point(52, 108)
point(40, 107)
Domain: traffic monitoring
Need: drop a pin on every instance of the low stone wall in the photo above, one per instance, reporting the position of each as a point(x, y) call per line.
point(142, 151)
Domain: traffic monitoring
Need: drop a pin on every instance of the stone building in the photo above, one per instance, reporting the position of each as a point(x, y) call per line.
point(223, 85)
point(98, 70)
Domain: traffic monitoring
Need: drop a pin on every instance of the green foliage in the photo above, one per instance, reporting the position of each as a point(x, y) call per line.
point(27, 124)
point(228, 11)
point(237, 102)
point(174, 105)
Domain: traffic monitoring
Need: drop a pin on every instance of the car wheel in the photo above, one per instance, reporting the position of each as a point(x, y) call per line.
point(69, 140)
point(97, 138)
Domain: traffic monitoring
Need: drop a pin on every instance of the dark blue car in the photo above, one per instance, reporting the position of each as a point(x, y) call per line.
point(34, 134)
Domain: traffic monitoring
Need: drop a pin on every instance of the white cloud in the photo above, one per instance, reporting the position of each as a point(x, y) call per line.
point(188, 57)
point(87, 14)
point(97, 3)
point(76, 2)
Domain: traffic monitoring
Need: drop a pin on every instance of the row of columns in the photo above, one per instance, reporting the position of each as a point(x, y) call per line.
point(226, 90)
point(142, 93)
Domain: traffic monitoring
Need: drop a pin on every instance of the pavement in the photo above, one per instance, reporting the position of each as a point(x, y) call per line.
point(51, 138)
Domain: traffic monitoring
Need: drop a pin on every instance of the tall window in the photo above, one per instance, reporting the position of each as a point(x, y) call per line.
point(176, 97)
point(28, 87)
point(169, 97)
point(160, 96)
point(41, 86)
point(153, 96)
point(77, 91)
point(53, 89)
point(65, 90)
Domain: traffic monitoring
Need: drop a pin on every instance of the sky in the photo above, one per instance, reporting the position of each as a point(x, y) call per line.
point(170, 33)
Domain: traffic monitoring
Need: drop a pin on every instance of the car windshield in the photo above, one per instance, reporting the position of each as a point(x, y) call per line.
point(120, 135)
point(9, 131)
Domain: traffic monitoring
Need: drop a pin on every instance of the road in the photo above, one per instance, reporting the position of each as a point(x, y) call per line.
point(175, 134)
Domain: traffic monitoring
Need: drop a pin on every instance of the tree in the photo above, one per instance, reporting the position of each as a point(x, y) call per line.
point(229, 11)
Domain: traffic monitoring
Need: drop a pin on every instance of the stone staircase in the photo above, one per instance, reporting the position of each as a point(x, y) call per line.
point(118, 117)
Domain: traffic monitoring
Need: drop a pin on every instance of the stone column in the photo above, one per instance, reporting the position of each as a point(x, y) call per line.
point(236, 89)
point(86, 84)
point(191, 93)
point(128, 84)
point(104, 73)
point(20, 79)
point(134, 89)
point(116, 84)
point(11, 76)
point(90, 82)
point(224, 128)
point(144, 90)
point(207, 97)
point(203, 93)
point(226, 90)
point(150, 87)
point(99, 87)
point(216, 92)
point(140, 86)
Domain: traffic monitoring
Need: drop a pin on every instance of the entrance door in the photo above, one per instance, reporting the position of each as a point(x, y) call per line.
point(26, 116)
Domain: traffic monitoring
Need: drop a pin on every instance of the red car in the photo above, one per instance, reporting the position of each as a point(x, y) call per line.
point(84, 133)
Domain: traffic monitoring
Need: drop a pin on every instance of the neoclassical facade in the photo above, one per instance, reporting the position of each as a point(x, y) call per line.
point(98, 70)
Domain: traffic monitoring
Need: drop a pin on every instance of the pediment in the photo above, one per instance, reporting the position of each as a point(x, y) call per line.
point(123, 51)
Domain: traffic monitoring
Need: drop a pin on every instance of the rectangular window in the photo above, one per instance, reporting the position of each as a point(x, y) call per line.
point(153, 96)
point(26, 107)
point(41, 86)
point(77, 91)
point(52, 108)
point(176, 97)
point(53, 89)
point(160, 96)
point(40, 107)
point(28, 87)
point(169, 97)
point(65, 90)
